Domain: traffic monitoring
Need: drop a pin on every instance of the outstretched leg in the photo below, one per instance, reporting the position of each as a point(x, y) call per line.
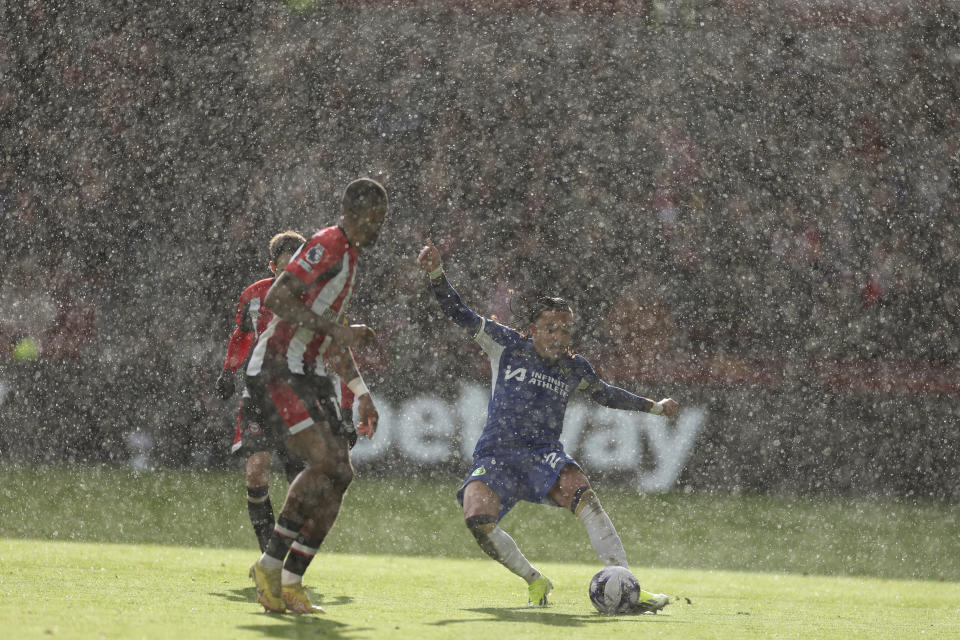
point(603, 536)
point(572, 490)
point(480, 509)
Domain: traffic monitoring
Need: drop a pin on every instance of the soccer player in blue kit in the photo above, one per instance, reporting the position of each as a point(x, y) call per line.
point(519, 455)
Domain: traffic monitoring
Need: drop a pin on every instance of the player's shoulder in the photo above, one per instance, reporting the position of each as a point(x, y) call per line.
point(256, 290)
point(502, 332)
point(580, 364)
point(330, 237)
point(326, 242)
point(259, 286)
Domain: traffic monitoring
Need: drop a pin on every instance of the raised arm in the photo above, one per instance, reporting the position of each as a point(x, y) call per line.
point(429, 260)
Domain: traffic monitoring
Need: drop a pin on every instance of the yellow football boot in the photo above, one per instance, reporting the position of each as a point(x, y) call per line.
point(651, 602)
point(267, 582)
point(297, 600)
point(539, 590)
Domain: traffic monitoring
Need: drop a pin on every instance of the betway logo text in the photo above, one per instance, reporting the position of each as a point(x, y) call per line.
point(427, 429)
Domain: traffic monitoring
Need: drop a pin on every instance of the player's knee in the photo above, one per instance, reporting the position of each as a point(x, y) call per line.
point(584, 498)
point(481, 526)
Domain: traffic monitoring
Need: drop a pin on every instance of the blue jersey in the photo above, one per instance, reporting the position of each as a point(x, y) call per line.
point(528, 396)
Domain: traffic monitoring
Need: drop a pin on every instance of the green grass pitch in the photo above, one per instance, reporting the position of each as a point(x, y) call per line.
point(98, 553)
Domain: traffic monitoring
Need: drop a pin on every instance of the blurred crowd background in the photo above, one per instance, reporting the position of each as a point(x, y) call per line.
point(741, 199)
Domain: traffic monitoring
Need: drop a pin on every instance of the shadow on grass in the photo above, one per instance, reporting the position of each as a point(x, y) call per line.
point(540, 616)
point(312, 627)
point(249, 594)
point(296, 626)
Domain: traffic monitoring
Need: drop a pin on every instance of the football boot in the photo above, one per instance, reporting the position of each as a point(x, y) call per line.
point(539, 589)
point(267, 582)
point(651, 602)
point(297, 601)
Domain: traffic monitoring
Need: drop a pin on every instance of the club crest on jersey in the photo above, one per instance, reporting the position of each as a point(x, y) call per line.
point(253, 428)
point(314, 255)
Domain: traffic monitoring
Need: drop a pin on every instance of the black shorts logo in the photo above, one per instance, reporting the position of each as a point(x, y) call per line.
point(253, 428)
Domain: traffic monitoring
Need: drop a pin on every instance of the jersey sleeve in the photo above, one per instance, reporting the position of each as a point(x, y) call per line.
point(490, 335)
point(453, 306)
point(320, 253)
point(606, 394)
point(241, 338)
point(237, 349)
point(493, 336)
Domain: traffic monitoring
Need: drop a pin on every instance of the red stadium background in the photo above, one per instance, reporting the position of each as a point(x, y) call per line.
point(753, 207)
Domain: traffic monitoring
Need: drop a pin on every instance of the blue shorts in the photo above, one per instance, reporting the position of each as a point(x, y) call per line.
point(521, 476)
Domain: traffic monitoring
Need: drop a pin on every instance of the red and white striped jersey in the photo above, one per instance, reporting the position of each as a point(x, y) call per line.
point(252, 319)
point(327, 265)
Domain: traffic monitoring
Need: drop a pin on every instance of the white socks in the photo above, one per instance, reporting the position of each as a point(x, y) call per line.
point(510, 556)
point(289, 577)
point(603, 536)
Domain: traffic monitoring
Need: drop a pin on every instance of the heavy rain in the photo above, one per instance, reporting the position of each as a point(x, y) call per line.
point(751, 207)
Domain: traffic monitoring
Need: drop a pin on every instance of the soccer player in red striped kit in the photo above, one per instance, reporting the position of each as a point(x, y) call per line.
point(309, 300)
point(249, 440)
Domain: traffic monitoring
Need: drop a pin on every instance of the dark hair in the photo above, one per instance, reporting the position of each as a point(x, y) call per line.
point(525, 309)
point(284, 242)
point(364, 194)
point(547, 303)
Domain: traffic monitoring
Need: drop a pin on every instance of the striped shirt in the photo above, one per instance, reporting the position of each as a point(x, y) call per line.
point(252, 319)
point(326, 264)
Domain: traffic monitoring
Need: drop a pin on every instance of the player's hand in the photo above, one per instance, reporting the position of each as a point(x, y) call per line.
point(226, 386)
point(670, 407)
point(355, 335)
point(429, 258)
point(368, 416)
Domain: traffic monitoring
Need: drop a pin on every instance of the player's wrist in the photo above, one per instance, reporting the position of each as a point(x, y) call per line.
point(656, 408)
point(437, 273)
point(358, 386)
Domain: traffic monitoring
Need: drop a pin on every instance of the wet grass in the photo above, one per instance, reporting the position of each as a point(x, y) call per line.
point(58, 589)
point(408, 517)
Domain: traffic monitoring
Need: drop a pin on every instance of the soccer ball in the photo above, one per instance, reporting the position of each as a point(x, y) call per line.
point(614, 590)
